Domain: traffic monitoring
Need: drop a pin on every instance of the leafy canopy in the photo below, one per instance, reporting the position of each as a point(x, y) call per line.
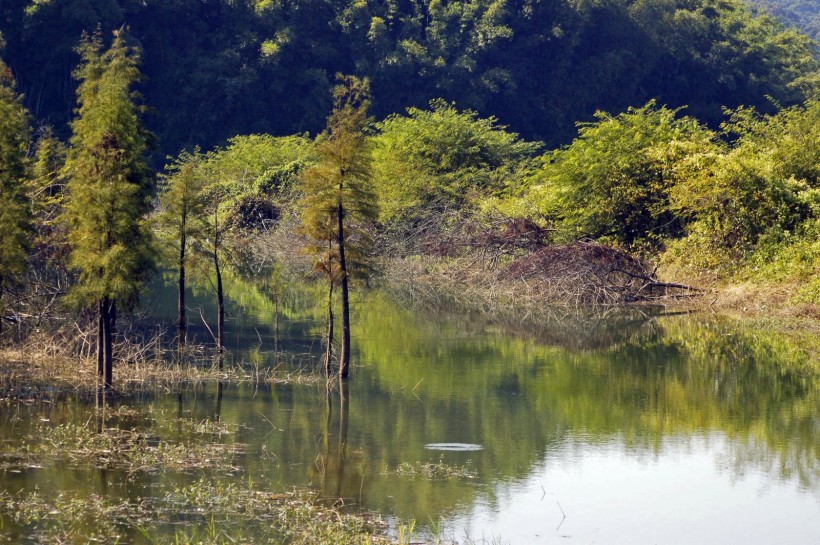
point(109, 180)
point(337, 190)
point(15, 212)
point(613, 182)
point(443, 157)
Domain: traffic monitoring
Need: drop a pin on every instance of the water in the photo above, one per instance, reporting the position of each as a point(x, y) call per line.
point(676, 429)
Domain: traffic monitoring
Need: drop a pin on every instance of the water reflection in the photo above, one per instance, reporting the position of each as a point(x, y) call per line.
point(639, 429)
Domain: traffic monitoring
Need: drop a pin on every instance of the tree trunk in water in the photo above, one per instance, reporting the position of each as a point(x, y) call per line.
point(328, 415)
point(344, 358)
point(2, 310)
point(344, 405)
point(108, 317)
point(220, 299)
point(182, 324)
point(329, 348)
point(218, 410)
point(101, 340)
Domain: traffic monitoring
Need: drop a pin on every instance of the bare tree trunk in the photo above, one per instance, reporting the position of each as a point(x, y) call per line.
point(2, 310)
point(108, 310)
point(182, 323)
point(344, 358)
point(329, 348)
point(220, 296)
point(101, 339)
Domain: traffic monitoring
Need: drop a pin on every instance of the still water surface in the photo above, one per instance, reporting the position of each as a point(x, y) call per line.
point(673, 429)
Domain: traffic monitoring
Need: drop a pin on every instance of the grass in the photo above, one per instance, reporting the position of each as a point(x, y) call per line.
point(208, 507)
point(205, 512)
point(33, 372)
point(435, 470)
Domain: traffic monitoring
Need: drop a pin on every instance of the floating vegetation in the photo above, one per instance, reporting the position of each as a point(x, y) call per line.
point(437, 470)
point(127, 450)
point(206, 511)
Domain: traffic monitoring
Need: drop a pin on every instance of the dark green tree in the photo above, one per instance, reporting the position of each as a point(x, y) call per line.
point(15, 210)
point(108, 188)
point(338, 197)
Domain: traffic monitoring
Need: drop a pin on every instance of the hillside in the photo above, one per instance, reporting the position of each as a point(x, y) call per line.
point(217, 68)
point(800, 14)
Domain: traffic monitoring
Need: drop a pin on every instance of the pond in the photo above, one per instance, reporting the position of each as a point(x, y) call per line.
point(639, 429)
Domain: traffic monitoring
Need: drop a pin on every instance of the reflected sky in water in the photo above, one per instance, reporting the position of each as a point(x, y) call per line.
point(635, 429)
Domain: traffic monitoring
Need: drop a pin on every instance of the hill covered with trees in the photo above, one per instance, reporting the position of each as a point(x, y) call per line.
point(217, 68)
point(801, 14)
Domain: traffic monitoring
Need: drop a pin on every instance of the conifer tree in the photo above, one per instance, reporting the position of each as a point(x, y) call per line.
point(15, 211)
point(182, 208)
point(108, 188)
point(339, 198)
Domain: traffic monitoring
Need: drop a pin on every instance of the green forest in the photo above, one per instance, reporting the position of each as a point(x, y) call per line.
point(594, 152)
point(801, 14)
point(216, 68)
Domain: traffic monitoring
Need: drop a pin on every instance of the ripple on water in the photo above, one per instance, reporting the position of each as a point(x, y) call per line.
point(457, 447)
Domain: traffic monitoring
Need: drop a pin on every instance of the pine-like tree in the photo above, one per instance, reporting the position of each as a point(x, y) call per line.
point(339, 198)
point(108, 188)
point(181, 219)
point(15, 210)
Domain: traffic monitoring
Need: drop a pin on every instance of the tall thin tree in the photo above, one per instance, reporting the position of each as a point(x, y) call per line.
point(339, 199)
point(180, 219)
point(108, 188)
point(15, 211)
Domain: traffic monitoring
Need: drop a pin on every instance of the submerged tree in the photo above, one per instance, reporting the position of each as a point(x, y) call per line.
point(108, 188)
point(181, 220)
point(15, 212)
point(339, 199)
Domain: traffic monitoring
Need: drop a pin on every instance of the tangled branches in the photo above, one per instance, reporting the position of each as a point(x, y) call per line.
point(589, 274)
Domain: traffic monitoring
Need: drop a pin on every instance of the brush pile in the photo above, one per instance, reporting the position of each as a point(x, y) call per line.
point(588, 274)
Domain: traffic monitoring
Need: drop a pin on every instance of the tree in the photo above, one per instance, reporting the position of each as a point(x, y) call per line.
point(441, 157)
point(211, 244)
point(613, 182)
point(15, 212)
point(760, 196)
point(339, 199)
point(181, 220)
point(108, 188)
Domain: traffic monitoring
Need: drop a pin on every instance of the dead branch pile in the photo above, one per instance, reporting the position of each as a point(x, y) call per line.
point(589, 274)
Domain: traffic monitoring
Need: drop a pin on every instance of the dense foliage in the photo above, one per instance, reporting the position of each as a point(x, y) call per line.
point(218, 68)
point(742, 202)
point(15, 213)
point(696, 144)
point(802, 14)
point(439, 158)
point(613, 182)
